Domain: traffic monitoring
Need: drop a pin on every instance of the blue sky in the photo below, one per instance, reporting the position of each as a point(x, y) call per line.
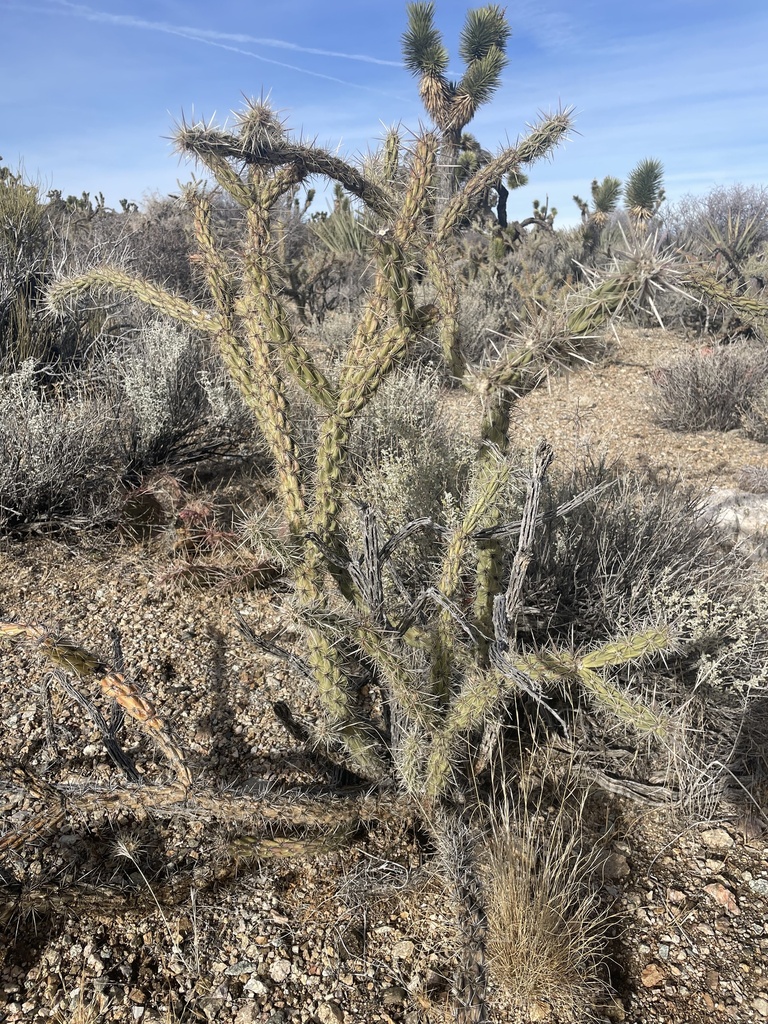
point(91, 91)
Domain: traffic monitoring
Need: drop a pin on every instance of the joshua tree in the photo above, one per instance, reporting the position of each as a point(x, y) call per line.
point(644, 190)
point(605, 199)
point(452, 105)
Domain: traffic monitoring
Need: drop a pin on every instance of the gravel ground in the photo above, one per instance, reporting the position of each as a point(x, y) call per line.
point(124, 914)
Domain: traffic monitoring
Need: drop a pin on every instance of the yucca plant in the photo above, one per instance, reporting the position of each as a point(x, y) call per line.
point(644, 190)
point(605, 201)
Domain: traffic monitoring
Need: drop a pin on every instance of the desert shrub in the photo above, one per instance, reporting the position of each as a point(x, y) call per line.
point(38, 239)
point(754, 479)
point(173, 403)
point(711, 390)
point(411, 462)
point(159, 243)
point(56, 451)
point(595, 571)
point(695, 222)
point(320, 283)
point(755, 417)
point(406, 409)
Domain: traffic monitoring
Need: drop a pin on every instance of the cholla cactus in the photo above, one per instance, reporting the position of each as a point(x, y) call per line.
point(440, 666)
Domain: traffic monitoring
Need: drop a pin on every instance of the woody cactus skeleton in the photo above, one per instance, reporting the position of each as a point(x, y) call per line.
point(440, 671)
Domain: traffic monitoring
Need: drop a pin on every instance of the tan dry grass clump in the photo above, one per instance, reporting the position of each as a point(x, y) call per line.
point(547, 922)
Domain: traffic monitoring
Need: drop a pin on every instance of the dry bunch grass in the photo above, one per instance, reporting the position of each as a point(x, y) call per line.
point(548, 923)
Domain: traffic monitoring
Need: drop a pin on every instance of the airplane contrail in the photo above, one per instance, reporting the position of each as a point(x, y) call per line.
point(223, 40)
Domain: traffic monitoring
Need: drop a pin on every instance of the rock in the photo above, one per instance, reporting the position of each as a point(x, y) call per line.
point(242, 967)
point(741, 516)
point(403, 950)
point(136, 995)
point(394, 995)
point(247, 1015)
point(255, 987)
point(760, 1006)
point(616, 866)
point(350, 942)
point(280, 970)
point(759, 885)
point(330, 1013)
point(652, 975)
point(724, 897)
point(717, 839)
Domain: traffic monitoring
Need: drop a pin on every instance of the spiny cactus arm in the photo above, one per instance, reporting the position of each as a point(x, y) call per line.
point(336, 693)
point(479, 694)
point(418, 198)
point(407, 687)
point(631, 648)
point(332, 458)
point(367, 336)
point(492, 476)
point(539, 143)
point(628, 710)
point(218, 275)
point(214, 148)
point(282, 181)
point(444, 281)
point(297, 358)
point(225, 294)
point(391, 155)
point(83, 664)
point(493, 473)
point(551, 666)
point(376, 352)
point(273, 315)
point(110, 279)
point(698, 280)
point(272, 409)
point(217, 149)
